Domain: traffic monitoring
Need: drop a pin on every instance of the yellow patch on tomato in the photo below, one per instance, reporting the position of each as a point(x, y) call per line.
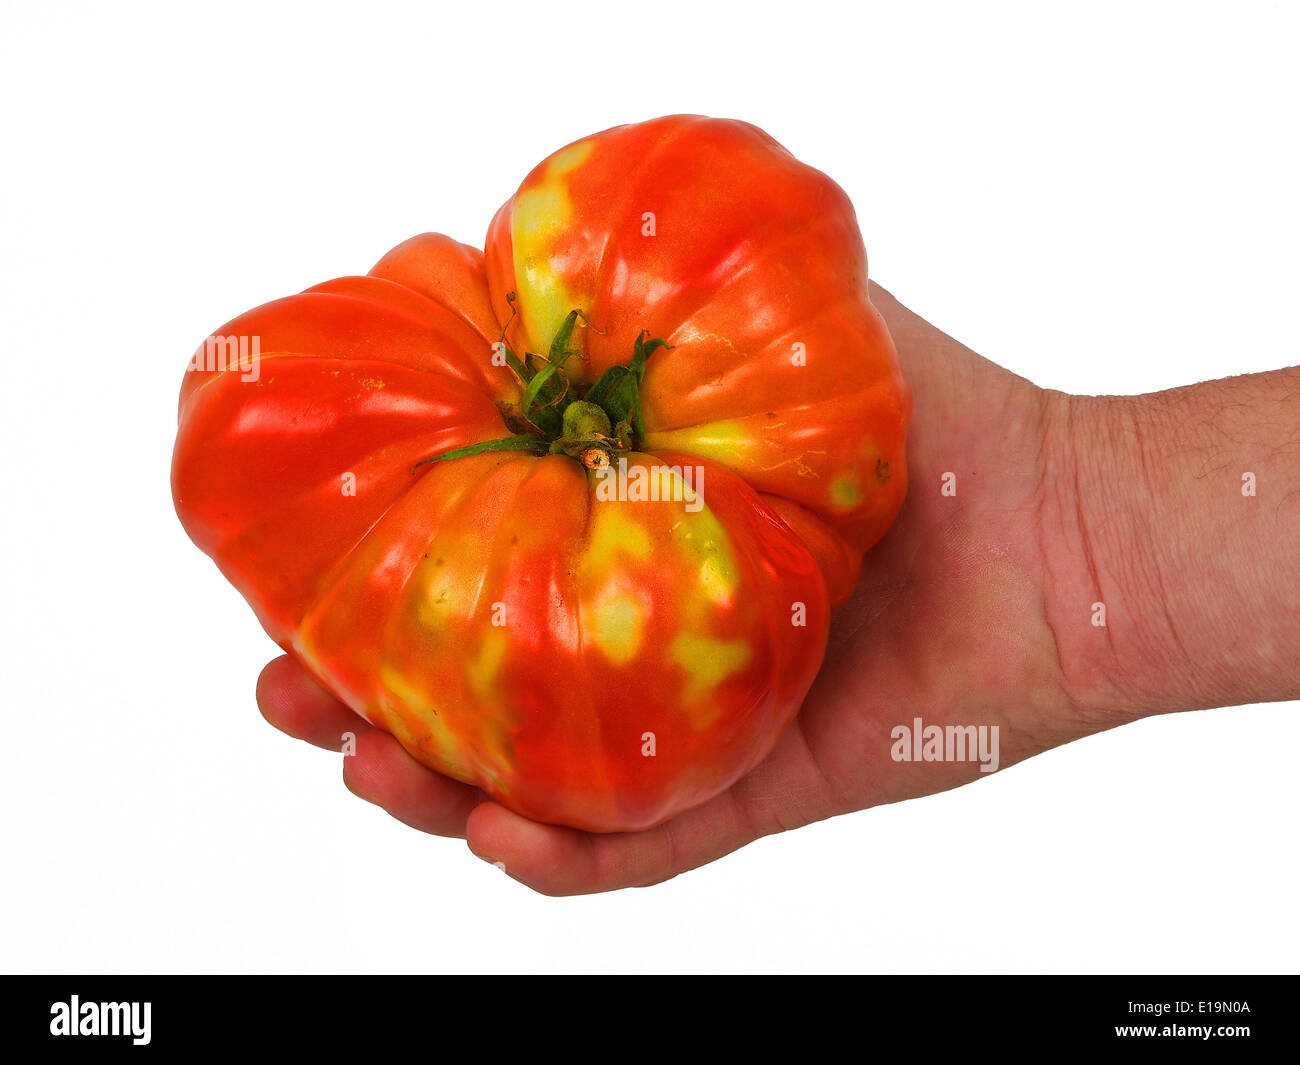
point(414, 720)
point(707, 661)
point(708, 547)
point(718, 440)
point(306, 651)
point(746, 446)
point(615, 535)
point(481, 670)
point(542, 212)
point(845, 491)
point(446, 581)
point(617, 624)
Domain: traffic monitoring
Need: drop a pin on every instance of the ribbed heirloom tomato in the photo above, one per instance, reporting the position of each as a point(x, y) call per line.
point(664, 423)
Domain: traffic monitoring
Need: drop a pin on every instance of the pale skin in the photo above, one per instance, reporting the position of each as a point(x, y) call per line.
point(978, 607)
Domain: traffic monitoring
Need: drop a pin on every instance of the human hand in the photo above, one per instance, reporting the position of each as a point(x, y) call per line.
point(977, 608)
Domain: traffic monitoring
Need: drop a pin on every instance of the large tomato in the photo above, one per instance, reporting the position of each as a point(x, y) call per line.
point(594, 642)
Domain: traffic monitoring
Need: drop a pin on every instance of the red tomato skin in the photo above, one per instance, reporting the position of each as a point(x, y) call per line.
point(604, 664)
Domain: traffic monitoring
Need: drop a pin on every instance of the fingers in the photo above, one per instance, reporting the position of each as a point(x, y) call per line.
point(786, 791)
point(380, 771)
point(294, 703)
point(565, 861)
point(548, 858)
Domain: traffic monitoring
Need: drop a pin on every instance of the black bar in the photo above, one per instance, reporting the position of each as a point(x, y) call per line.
point(1242, 1013)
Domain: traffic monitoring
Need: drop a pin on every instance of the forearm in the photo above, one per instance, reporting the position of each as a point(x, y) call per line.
point(1176, 585)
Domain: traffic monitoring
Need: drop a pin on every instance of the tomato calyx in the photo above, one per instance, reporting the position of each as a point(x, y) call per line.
point(552, 418)
point(586, 435)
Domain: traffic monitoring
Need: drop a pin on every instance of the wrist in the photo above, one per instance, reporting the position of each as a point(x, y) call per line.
point(1163, 596)
point(1119, 652)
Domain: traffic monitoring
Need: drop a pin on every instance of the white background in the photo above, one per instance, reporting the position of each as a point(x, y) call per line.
point(1103, 199)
